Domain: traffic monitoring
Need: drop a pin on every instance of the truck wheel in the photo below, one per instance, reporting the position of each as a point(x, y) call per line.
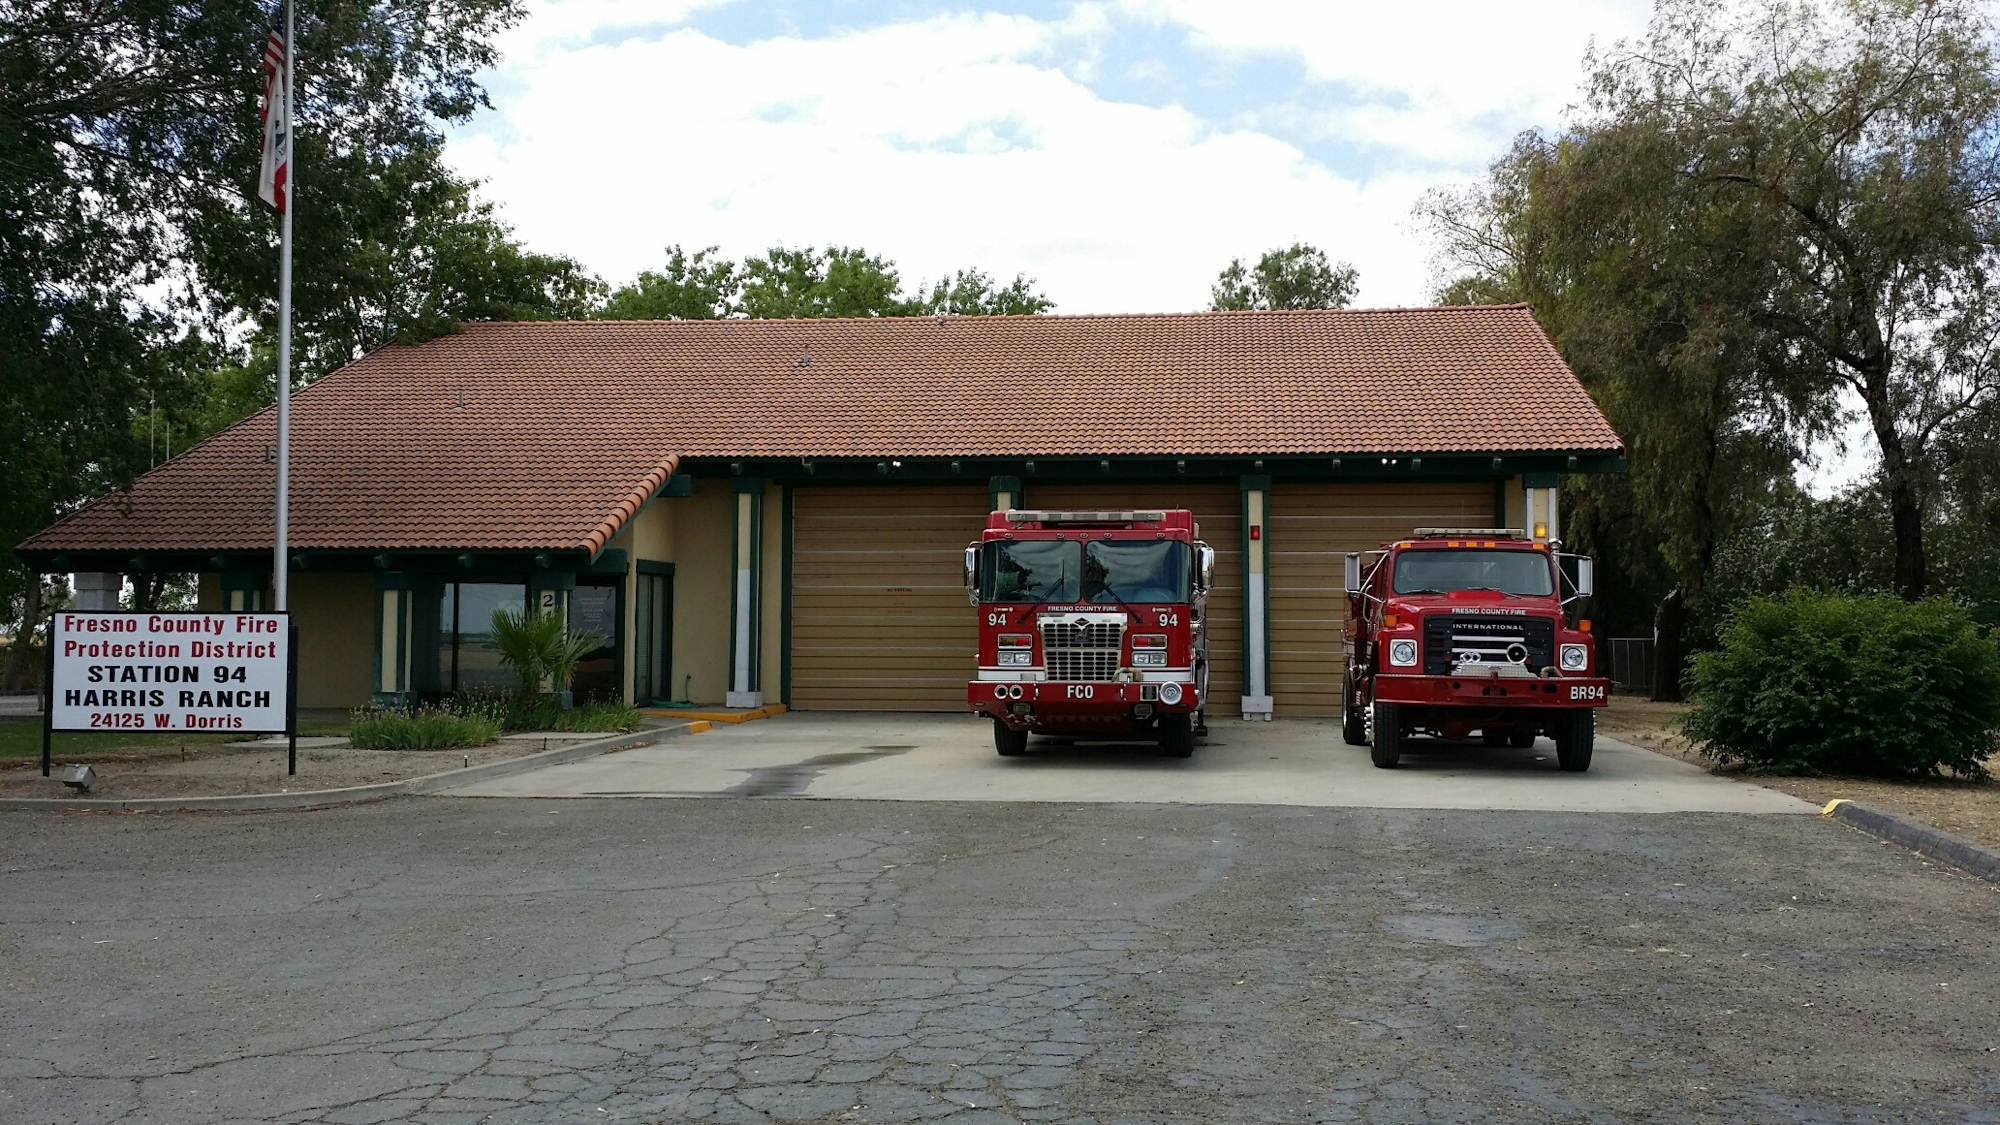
point(1574, 736)
point(1010, 742)
point(1176, 736)
point(1388, 744)
point(1494, 737)
point(1521, 739)
point(1353, 724)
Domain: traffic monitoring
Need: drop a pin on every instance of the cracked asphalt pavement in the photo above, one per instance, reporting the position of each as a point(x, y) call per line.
point(747, 960)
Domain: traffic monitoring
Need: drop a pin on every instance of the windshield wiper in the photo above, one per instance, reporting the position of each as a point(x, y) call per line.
point(1494, 590)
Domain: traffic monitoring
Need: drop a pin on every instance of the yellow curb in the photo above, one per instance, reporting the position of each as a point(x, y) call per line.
point(1832, 805)
point(700, 727)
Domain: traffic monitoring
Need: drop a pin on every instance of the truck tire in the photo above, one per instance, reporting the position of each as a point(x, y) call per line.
point(1574, 736)
point(1353, 724)
point(1521, 739)
point(1176, 736)
point(1010, 742)
point(1388, 744)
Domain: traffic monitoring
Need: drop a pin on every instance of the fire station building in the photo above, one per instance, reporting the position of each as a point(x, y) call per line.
point(775, 511)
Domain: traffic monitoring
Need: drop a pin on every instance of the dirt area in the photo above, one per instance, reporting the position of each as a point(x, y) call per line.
point(1965, 808)
point(228, 769)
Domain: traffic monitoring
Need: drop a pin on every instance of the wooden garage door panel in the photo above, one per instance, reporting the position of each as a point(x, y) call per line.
point(1217, 510)
point(879, 617)
point(1313, 527)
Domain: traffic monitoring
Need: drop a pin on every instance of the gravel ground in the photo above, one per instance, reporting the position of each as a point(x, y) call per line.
point(747, 960)
point(1965, 808)
point(213, 770)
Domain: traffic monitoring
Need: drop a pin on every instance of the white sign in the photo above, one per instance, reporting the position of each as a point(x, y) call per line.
point(170, 671)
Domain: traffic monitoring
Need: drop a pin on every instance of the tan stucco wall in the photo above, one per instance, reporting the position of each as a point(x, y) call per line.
point(208, 592)
point(704, 562)
point(335, 614)
point(1517, 504)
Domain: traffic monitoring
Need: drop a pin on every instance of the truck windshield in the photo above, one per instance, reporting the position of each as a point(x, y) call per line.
point(1441, 571)
point(1104, 570)
point(1135, 570)
point(1030, 570)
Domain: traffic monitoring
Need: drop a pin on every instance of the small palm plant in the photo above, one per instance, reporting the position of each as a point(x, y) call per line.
point(538, 648)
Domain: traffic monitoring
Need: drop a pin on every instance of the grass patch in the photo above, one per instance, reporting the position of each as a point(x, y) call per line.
point(597, 716)
point(22, 738)
point(424, 728)
point(511, 712)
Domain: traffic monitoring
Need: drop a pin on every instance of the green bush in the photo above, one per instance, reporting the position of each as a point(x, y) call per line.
point(422, 728)
point(1829, 683)
point(511, 712)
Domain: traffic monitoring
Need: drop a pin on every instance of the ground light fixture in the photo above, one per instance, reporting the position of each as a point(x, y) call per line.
point(80, 778)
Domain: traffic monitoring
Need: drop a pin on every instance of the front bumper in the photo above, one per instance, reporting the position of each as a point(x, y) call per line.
point(1058, 705)
point(1494, 691)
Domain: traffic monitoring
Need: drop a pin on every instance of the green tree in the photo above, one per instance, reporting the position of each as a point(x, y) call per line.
point(137, 269)
point(1858, 139)
point(1296, 277)
point(697, 286)
point(973, 293)
point(808, 283)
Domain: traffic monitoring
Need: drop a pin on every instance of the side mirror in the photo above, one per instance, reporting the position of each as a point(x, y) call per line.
point(972, 575)
point(1205, 566)
point(1586, 576)
point(1353, 574)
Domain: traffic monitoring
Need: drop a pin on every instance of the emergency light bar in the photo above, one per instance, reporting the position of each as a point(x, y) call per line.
point(1016, 515)
point(1470, 533)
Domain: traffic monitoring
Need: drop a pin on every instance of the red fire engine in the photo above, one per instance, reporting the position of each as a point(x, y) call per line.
point(1457, 630)
point(1090, 623)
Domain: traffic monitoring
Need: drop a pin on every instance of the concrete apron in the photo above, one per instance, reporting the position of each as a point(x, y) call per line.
point(906, 757)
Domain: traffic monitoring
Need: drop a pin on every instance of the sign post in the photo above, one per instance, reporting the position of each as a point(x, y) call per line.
point(164, 673)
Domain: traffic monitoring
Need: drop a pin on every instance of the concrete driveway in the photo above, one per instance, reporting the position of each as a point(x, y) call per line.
point(1301, 762)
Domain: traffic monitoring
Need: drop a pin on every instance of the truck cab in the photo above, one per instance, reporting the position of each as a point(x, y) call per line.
point(1457, 630)
point(1091, 624)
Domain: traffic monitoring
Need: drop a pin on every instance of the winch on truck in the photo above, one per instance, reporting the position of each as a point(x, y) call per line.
point(1091, 624)
point(1462, 630)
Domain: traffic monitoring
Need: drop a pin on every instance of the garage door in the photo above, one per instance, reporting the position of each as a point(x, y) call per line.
point(1312, 529)
point(879, 616)
point(1217, 509)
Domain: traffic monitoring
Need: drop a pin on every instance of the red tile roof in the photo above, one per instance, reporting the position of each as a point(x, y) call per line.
point(549, 435)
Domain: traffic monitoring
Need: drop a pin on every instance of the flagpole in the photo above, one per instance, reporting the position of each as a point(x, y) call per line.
point(280, 562)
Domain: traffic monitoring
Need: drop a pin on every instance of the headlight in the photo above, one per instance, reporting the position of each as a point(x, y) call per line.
point(1170, 693)
point(1403, 653)
point(1012, 658)
point(1149, 660)
point(1574, 658)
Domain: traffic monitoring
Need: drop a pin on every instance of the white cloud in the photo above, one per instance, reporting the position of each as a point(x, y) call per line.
point(960, 141)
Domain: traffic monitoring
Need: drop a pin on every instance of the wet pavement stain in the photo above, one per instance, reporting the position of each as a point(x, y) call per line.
point(793, 778)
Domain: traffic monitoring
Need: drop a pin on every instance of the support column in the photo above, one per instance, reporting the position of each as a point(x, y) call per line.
point(394, 678)
point(98, 591)
point(1256, 598)
point(745, 616)
point(1544, 521)
point(1003, 493)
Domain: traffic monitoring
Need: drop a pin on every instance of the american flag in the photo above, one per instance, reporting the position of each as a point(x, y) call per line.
point(277, 114)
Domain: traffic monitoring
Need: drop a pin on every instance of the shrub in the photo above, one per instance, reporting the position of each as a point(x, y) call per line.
point(598, 716)
point(538, 647)
point(510, 711)
point(422, 728)
point(1831, 683)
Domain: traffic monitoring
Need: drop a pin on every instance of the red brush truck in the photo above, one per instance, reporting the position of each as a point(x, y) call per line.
point(1457, 630)
point(1091, 623)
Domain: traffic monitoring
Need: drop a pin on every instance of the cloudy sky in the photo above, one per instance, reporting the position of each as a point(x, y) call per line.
point(1119, 152)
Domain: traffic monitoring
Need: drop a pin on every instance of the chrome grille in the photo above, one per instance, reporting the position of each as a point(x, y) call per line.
point(1452, 643)
point(1086, 651)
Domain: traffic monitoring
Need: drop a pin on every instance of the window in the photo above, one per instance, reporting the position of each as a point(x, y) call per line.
point(461, 655)
point(1426, 571)
point(1105, 571)
point(652, 637)
point(1031, 570)
point(1135, 570)
point(594, 608)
